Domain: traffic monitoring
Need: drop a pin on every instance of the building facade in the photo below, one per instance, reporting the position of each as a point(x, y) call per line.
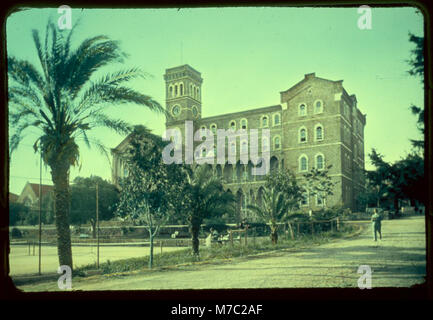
point(316, 124)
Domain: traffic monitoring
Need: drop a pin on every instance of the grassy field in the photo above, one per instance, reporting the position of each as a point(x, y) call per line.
point(22, 263)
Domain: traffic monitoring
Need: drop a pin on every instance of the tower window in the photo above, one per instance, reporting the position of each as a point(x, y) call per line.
point(176, 110)
point(170, 92)
point(175, 90)
point(265, 144)
point(233, 148)
point(194, 111)
point(181, 89)
point(244, 147)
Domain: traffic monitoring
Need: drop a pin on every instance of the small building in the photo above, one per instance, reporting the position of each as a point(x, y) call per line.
point(30, 194)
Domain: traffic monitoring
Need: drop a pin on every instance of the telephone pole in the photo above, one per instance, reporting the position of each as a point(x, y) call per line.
point(97, 226)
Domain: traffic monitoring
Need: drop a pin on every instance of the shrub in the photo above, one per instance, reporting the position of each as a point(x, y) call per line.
point(16, 233)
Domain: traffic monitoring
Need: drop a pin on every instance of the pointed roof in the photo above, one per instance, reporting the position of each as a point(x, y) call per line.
point(45, 188)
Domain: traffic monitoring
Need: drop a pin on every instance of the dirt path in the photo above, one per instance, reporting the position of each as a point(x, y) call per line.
point(397, 261)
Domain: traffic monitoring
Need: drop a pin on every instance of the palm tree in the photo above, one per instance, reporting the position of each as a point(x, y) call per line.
point(275, 209)
point(207, 199)
point(63, 102)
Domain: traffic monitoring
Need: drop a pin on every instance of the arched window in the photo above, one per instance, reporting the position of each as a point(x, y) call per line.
point(233, 125)
point(175, 90)
point(277, 143)
point(303, 163)
point(181, 89)
point(190, 90)
point(244, 124)
point(277, 119)
point(319, 132)
point(203, 131)
point(318, 106)
point(302, 109)
point(320, 162)
point(170, 91)
point(302, 135)
point(213, 128)
point(264, 121)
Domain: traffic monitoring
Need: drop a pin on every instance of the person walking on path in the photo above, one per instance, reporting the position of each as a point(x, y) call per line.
point(376, 220)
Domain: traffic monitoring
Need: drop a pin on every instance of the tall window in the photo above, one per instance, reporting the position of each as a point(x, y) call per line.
point(319, 132)
point(213, 128)
point(175, 90)
point(320, 202)
point(233, 125)
point(277, 143)
point(302, 109)
point(181, 89)
point(264, 121)
point(170, 92)
point(302, 135)
point(303, 163)
point(318, 106)
point(276, 119)
point(320, 162)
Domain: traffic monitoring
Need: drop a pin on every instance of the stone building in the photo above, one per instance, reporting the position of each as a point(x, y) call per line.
point(316, 124)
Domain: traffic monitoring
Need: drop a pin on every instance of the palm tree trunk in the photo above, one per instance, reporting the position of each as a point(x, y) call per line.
point(60, 177)
point(274, 235)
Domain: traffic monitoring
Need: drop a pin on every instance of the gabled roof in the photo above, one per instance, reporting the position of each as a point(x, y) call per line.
point(45, 188)
point(307, 77)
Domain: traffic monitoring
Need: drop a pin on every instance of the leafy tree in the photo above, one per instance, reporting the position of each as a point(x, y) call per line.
point(403, 179)
point(64, 102)
point(416, 62)
point(17, 213)
point(151, 192)
point(83, 200)
point(285, 181)
point(205, 199)
point(319, 183)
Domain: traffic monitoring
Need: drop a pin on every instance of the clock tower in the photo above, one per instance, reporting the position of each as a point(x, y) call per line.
point(183, 94)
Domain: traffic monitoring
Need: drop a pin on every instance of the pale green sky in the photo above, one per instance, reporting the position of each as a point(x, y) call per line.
point(246, 57)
